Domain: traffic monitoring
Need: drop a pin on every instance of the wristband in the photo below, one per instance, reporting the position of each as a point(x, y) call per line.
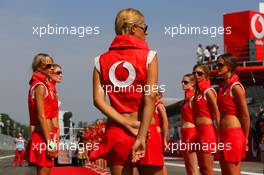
point(51, 145)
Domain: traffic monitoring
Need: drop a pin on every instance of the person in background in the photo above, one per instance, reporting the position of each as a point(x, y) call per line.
point(205, 112)
point(162, 123)
point(188, 130)
point(20, 150)
point(81, 151)
point(207, 55)
point(214, 52)
point(100, 125)
point(200, 53)
point(235, 119)
point(56, 77)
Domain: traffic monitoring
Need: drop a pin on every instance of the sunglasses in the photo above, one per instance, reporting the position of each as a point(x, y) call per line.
point(220, 65)
point(58, 72)
point(199, 73)
point(185, 82)
point(48, 66)
point(144, 27)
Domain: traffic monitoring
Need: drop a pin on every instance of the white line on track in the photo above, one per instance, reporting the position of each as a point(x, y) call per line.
point(5, 157)
point(215, 169)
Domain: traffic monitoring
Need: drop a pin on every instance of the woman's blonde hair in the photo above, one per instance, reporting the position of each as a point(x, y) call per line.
point(56, 65)
point(125, 19)
point(38, 59)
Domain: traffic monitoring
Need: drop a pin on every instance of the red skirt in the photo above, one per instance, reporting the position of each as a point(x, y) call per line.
point(116, 147)
point(188, 135)
point(207, 139)
point(154, 151)
point(36, 151)
point(235, 144)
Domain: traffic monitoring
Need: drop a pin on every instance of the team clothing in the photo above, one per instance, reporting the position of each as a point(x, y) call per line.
point(188, 135)
point(206, 134)
point(233, 136)
point(124, 67)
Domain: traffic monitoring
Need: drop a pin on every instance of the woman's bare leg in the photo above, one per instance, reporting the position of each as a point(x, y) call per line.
point(121, 170)
point(43, 170)
point(205, 161)
point(191, 163)
point(228, 168)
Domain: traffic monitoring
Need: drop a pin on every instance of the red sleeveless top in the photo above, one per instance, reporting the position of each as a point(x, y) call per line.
point(225, 101)
point(54, 103)
point(201, 107)
point(186, 108)
point(123, 72)
point(39, 79)
point(158, 122)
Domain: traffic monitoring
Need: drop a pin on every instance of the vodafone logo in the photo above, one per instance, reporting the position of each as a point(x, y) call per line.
point(257, 18)
point(131, 74)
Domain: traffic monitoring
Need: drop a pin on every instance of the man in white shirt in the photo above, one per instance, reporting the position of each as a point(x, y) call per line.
point(200, 53)
point(207, 55)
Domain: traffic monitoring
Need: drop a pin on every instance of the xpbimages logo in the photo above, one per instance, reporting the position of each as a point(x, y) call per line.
point(51, 145)
point(184, 30)
point(79, 31)
point(173, 147)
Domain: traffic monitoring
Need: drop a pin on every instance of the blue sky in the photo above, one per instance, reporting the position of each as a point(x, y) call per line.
point(18, 45)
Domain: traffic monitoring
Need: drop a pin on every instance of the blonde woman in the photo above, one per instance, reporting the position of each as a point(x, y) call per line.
point(40, 150)
point(128, 64)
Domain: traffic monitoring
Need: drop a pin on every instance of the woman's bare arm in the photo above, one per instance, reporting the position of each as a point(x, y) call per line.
point(149, 98)
point(241, 103)
point(139, 147)
point(211, 97)
point(164, 119)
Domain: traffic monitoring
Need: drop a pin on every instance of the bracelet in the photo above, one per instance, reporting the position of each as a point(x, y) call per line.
point(51, 145)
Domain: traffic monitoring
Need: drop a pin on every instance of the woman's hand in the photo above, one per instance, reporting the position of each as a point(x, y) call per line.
point(138, 150)
point(247, 148)
point(165, 138)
